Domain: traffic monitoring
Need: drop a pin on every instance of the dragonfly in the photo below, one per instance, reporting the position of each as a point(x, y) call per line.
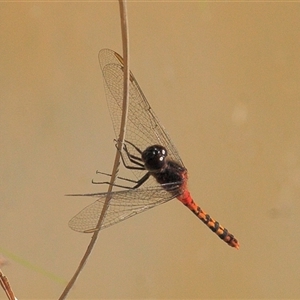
point(148, 152)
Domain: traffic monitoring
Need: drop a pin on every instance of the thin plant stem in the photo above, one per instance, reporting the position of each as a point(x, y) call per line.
point(6, 287)
point(125, 43)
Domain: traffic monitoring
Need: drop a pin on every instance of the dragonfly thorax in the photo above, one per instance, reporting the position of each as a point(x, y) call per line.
point(154, 158)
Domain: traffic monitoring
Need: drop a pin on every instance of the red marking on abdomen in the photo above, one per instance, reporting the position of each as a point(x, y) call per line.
point(213, 225)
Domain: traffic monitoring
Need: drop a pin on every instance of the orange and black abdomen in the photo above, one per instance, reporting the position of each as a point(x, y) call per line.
point(177, 174)
point(213, 225)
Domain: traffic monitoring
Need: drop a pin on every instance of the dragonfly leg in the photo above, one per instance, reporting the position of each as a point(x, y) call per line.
point(135, 147)
point(118, 177)
point(138, 183)
point(133, 158)
point(137, 165)
point(142, 180)
point(137, 161)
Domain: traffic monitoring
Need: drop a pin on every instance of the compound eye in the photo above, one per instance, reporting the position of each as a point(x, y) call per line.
point(154, 157)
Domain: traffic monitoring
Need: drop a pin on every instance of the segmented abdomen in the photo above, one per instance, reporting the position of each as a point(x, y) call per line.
point(213, 225)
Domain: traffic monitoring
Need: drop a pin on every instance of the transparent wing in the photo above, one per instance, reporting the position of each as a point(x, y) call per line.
point(143, 130)
point(143, 127)
point(123, 205)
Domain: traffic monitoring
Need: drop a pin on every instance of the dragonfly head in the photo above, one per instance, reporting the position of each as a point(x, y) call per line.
point(154, 157)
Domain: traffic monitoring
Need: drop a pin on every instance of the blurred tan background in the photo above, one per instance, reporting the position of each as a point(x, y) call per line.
point(224, 80)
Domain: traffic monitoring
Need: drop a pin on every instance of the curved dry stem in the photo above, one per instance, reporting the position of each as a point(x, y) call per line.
point(6, 287)
point(125, 42)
